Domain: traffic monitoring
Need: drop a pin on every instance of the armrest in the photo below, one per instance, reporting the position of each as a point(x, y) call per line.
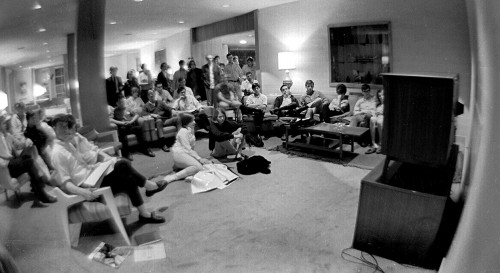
point(109, 136)
point(70, 199)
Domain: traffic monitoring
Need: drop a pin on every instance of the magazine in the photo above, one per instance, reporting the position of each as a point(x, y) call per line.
point(109, 255)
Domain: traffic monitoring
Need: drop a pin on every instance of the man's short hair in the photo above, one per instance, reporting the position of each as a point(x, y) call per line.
point(281, 88)
point(157, 83)
point(255, 85)
point(249, 59)
point(365, 87)
point(111, 68)
point(309, 82)
point(228, 54)
point(162, 64)
point(180, 79)
point(181, 62)
point(249, 72)
point(64, 118)
point(341, 88)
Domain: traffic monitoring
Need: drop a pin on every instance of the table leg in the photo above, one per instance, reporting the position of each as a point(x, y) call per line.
point(286, 136)
point(341, 146)
point(352, 144)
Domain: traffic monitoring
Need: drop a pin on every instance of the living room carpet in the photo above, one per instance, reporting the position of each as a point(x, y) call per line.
point(357, 159)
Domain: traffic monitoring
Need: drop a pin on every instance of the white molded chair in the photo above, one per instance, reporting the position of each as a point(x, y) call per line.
point(71, 220)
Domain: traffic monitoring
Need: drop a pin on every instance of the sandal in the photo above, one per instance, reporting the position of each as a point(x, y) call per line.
point(371, 151)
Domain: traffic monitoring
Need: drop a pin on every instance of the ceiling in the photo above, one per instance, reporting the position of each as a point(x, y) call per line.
point(23, 45)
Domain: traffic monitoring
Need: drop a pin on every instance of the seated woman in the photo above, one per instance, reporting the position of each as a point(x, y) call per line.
point(338, 106)
point(134, 103)
point(23, 162)
point(226, 136)
point(227, 99)
point(75, 162)
point(376, 123)
point(185, 157)
point(285, 104)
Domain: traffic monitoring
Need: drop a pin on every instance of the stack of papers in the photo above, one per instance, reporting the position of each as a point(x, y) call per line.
point(215, 176)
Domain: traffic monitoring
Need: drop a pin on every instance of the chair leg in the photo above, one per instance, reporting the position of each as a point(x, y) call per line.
point(115, 216)
point(74, 234)
point(6, 195)
point(18, 196)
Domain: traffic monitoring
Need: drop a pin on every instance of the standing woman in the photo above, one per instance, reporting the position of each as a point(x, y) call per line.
point(226, 136)
point(376, 123)
point(185, 157)
point(130, 83)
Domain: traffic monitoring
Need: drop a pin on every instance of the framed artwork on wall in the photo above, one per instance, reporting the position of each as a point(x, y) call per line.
point(359, 53)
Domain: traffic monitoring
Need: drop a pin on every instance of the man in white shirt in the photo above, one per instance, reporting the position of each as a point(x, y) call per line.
point(255, 105)
point(182, 84)
point(246, 85)
point(189, 104)
point(162, 94)
point(249, 67)
point(364, 108)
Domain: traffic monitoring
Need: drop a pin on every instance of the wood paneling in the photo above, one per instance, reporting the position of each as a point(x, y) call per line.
point(236, 24)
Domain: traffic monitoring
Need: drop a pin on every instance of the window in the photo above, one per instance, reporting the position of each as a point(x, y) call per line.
point(359, 54)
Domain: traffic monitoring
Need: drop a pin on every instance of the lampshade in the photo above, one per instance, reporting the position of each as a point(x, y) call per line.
point(4, 102)
point(38, 90)
point(286, 60)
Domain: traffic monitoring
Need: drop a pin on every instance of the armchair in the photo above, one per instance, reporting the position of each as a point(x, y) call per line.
point(74, 210)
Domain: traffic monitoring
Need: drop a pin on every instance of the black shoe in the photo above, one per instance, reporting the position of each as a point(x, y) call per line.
point(165, 148)
point(161, 187)
point(149, 153)
point(38, 204)
point(44, 197)
point(153, 219)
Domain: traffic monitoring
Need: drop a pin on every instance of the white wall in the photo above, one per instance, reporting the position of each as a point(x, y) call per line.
point(124, 62)
point(427, 37)
point(213, 46)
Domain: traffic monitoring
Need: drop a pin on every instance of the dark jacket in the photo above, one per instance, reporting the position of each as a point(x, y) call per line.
point(127, 87)
point(222, 132)
point(166, 82)
point(195, 81)
point(112, 93)
point(206, 75)
point(279, 100)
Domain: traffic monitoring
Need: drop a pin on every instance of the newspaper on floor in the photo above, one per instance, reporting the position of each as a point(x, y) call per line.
point(215, 176)
point(150, 252)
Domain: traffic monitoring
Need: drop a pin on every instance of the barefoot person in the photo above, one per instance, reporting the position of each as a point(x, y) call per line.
point(74, 166)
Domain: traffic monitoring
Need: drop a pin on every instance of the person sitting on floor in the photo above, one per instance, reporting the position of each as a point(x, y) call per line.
point(127, 123)
point(185, 157)
point(189, 104)
point(338, 105)
point(312, 101)
point(24, 162)
point(364, 108)
point(285, 104)
point(226, 137)
point(74, 166)
point(376, 124)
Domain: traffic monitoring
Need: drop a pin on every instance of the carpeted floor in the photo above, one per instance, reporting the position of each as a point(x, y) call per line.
point(299, 218)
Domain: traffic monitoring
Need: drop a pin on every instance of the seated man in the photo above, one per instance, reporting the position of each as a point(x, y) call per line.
point(312, 101)
point(182, 83)
point(189, 104)
point(159, 110)
point(74, 165)
point(255, 104)
point(285, 104)
point(338, 105)
point(23, 162)
point(226, 97)
point(246, 85)
point(126, 121)
point(364, 108)
point(162, 94)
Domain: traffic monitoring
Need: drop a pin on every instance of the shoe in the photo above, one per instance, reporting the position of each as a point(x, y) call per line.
point(153, 219)
point(129, 157)
point(161, 187)
point(149, 153)
point(379, 150)
point(44, 197)
point(165, 148)
point(371, 151)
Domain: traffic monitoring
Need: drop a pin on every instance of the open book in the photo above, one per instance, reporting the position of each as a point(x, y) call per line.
point(95, 178)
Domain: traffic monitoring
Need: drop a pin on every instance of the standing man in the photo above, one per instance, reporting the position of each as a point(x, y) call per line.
point(145, 81)
point(181, 73)
point(249, 67)
point(164, 80)
point(211, 77)
point(114, 86)
point(233, 74)
point(195, 81)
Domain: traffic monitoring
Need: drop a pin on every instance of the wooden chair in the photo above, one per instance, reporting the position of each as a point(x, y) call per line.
point(74, 210)
point(9, 183)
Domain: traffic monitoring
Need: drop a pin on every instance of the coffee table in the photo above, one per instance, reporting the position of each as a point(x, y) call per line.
point(339, 133)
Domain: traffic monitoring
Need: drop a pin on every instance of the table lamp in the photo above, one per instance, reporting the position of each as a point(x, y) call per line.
point(286, 61)
point(4, 101)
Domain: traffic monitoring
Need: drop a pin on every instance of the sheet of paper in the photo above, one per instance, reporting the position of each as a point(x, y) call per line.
point(150, 252)
point(97, 173)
